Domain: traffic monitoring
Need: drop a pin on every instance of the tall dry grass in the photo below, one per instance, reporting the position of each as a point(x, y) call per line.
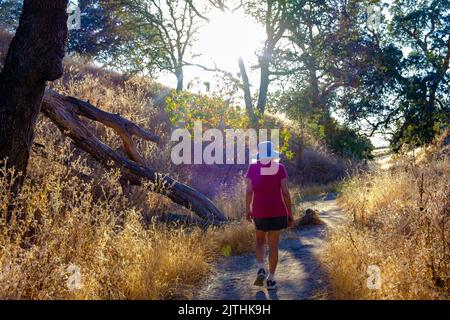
point(401, 224)
point(71, 213)
point(59, 221)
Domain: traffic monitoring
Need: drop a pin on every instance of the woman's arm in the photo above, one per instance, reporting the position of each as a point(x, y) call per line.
point(287, 197)
point(248, 199)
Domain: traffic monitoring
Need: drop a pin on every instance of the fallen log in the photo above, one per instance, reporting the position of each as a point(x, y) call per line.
point(65, 112)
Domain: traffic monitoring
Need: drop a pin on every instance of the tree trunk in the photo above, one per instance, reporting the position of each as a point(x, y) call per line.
point(180, 78)
point(247, 93)
point(34, 57)
point(314, 86)
point(263, 84)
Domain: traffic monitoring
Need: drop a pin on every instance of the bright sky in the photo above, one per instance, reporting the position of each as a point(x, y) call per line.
point(220, 42)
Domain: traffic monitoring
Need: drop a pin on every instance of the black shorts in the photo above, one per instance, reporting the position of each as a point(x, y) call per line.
point(271, 224)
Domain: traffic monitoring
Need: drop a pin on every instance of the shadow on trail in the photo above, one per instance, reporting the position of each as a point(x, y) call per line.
point(232, 279)
point(304, 249)
point(300, 274)
point(269, 295)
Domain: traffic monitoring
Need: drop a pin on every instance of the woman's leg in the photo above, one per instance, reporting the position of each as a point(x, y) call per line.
point(260, 255)
point(274, 239)
point(260, 245)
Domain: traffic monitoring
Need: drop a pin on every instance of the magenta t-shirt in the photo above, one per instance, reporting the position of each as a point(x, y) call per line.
point(267, 197)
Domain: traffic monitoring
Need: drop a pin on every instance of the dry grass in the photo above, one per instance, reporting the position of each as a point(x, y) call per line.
point(231, 199)
point(401, 223)
point(317, 166)
point(60, 219)
point(314, 190)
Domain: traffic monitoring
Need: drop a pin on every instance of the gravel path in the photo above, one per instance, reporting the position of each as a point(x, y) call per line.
point(299, 274)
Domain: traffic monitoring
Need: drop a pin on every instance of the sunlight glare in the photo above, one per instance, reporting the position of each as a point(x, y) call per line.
point(227, 37)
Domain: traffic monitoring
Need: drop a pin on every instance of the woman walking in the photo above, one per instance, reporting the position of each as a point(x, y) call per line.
point(268, 204)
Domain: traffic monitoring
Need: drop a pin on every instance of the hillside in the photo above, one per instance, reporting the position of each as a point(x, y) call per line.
point(104, 227)
point(76, 221)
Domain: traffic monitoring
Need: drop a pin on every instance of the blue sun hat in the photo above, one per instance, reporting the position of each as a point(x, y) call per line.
point(266, 151)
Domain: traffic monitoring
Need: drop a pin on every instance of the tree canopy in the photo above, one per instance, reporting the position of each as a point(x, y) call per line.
point(375, 66)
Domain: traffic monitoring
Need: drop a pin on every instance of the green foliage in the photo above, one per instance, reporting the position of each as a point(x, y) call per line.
point(340, 138)
point(285, 136)
point(406, 93)
point(420, 127)
point(391, 79)
point(163, 32)
point(423, 26)
point(184, 108)
point(9, 14)
point(346, 142)
point(101, 35)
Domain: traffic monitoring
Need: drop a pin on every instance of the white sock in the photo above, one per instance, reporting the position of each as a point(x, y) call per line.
point(271, 277)
point(260, 266)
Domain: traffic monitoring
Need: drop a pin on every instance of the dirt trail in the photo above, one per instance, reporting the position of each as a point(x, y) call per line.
point(299, 274)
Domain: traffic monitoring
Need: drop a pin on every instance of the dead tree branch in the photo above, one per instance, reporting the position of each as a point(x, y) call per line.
point(65, 112)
